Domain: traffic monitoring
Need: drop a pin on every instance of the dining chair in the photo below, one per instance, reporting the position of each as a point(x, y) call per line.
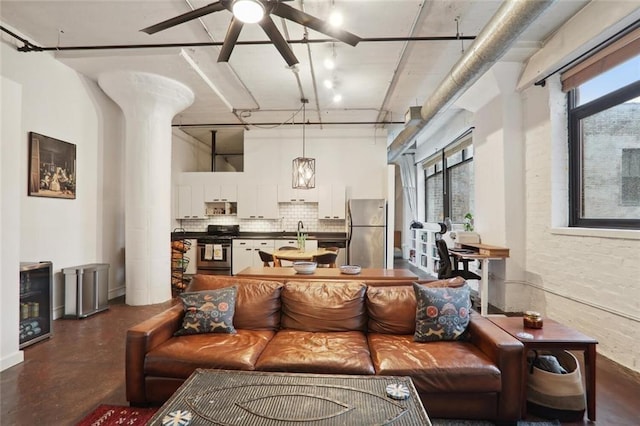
point(326, 260)
point(288, 248)
point(448, 270)
point(266, 258)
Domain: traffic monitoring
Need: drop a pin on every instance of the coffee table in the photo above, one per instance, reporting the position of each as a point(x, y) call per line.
point(251, 398)
point(553, 335)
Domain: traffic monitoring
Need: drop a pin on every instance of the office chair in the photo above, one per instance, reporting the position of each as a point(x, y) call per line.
point(326, 260)
point(446, 270)
point(266, 258)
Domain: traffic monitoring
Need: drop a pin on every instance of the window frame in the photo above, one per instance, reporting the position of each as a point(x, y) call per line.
point(440, 158)
point(575, 115)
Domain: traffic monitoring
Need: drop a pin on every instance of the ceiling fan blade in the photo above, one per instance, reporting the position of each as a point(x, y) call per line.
point(302, 18)
point(230, 40)
point(281, 44)
point(185, 17)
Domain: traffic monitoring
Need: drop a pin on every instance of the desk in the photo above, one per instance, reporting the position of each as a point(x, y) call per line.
point(294, 255)
point(484, 253)
point(367, 274)
point(553, 335)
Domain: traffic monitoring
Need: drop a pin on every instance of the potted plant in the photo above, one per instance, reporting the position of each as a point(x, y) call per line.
point(468, 222)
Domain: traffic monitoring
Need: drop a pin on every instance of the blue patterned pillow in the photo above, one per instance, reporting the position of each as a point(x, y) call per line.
point(208, 311)
point(441, 313)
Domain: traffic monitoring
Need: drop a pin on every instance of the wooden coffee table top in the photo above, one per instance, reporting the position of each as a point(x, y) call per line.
point(551, 331)
point(277, 399)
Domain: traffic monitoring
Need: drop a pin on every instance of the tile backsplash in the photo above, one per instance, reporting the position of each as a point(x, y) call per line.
point(290, 214)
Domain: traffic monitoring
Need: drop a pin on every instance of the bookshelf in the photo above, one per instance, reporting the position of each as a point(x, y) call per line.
point(423, 253)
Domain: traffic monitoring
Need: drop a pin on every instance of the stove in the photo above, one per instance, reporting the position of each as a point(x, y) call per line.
point(218, 234)
point(214, 249)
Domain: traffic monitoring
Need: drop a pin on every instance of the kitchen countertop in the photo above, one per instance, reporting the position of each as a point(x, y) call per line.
point(282, 235)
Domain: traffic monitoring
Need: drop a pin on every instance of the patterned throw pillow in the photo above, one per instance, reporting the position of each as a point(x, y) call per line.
point(208, 311)
point(441, 313)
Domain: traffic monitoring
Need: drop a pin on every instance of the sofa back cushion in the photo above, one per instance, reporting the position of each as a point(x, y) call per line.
point(257, 301)
point(392, 310)
point(324, 306)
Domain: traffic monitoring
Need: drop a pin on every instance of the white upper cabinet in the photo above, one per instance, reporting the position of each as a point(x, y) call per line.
point(220, 193)
point(286, 194)
point(258, 202)
point(190, 202)
point(331, 202)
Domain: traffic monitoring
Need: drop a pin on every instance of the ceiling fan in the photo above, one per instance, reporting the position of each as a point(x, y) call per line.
point(258, 11)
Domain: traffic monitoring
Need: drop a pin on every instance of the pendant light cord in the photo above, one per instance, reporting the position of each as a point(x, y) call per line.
point(304, 122)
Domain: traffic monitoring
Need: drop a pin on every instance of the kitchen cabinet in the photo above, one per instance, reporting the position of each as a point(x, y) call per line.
point(287, 194)
point(220, 193)
point(190, 202)
point(331, 202)
point(258, 202)
point(244, 253)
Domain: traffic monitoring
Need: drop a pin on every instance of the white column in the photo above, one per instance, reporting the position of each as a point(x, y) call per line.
point(149, 103)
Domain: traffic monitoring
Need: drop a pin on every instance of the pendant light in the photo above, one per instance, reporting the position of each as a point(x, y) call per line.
point(304, 169)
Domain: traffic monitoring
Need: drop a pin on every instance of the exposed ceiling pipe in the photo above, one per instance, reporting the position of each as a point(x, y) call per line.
point(400, 65)
point(513, 17)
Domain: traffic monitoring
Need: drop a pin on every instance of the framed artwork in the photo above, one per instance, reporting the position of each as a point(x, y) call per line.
point(52, 167)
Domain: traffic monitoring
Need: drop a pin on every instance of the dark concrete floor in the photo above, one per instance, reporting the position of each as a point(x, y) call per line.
point(82, 365)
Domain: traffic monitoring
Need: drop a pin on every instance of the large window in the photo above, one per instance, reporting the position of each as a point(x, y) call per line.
point(449, 190)
point(604, 149)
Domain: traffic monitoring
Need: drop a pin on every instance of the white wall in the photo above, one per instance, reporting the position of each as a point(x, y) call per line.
point(58, 102)
point(355, 158)
point(10, 118)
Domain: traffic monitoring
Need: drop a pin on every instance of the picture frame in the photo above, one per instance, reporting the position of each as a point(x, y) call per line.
point(52, 167)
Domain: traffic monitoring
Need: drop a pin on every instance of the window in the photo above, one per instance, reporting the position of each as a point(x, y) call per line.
point(449, 190)
point(631, 177)
point(604, 149)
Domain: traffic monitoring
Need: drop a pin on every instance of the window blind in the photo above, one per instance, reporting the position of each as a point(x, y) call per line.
point(615, 53)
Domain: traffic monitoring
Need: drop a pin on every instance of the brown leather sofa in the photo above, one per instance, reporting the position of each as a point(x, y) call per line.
point(331, 327)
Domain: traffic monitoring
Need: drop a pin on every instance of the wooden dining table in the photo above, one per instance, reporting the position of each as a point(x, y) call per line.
point(296, 255)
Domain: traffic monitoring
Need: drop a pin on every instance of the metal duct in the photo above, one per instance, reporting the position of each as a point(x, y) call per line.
point(513, 17)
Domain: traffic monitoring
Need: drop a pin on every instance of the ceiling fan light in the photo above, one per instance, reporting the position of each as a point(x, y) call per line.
point(335, 19)
point(337, 98)
point(248, 11)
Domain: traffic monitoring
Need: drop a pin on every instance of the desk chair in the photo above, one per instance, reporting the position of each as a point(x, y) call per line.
point(326, 260)
point(446, 270)
point(266, 258)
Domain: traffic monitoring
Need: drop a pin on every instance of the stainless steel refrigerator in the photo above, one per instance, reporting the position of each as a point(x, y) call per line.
point(367, 222)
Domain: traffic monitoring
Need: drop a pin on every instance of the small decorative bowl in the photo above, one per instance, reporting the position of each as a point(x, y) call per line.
point(305, 268)
point(350, 269)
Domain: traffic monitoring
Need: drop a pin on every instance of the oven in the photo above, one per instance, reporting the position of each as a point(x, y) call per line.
point(214, 250)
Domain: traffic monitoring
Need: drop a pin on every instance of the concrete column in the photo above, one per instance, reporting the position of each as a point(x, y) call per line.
point(149, 103)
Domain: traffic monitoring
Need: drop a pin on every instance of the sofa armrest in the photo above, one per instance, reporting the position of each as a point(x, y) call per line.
point(506, 352)
point(140, 339)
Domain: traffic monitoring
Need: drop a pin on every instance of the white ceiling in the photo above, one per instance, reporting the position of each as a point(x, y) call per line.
point(256, 77)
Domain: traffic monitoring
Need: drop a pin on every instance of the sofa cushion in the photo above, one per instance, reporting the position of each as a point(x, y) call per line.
point(391, 310)
point(257, 302)
point(344, 352)
point(441, 313)
point(208, 311)
point(179, 356)
point(324, 306)
point(447, 367)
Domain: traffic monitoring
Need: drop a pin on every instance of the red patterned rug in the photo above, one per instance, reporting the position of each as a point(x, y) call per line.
point(108, 415)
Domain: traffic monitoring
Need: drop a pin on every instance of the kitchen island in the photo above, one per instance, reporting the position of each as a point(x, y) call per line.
point(383, 276)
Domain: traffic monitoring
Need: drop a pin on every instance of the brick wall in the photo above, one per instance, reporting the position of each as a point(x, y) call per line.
point(590, 282)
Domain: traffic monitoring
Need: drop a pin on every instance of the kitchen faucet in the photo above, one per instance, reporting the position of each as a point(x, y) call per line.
point(300, 237)
point(300, 226)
